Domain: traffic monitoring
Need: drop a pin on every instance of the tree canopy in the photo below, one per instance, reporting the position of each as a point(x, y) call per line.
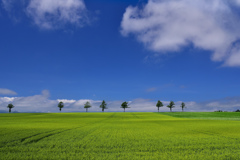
point(60, 105)
point(171, 105)
point(103, 105)
point(159, 104)
point(87, 105)
point(124, 105)
point(183, 105)
point(10, 106)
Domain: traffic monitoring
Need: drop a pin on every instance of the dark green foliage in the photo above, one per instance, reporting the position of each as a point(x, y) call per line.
point(103, 105)
point(87, 105)
point(60, 106)
point(183, 105)
point(237, 110)
point(218, 111)
point(159, 104)
point(124, 105)
point(171, 105)
point(10, 106)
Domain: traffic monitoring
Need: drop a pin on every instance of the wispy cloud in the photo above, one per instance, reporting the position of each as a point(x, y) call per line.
point(168, 25)
point(42, 103)
point(7, 4)
point(5, 91)
point(12, 8)
point(151, 89)
point(51, 14)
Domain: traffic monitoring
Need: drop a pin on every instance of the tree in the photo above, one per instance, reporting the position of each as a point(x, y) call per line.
point(159, 104)
point(103, 105)
point(60, 105)
point(124, 105)
point(183, 106)
point(171, 105)
point(10, 106)
point(218, 111)
point(87, 105)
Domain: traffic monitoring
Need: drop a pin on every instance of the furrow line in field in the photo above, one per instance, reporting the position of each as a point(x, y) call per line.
point(52, 134)
point(85, 138)
point(22, 139)
point(48, 135)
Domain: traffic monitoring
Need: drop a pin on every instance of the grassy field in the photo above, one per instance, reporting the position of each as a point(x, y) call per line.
point(120, 136)
point(235, 116)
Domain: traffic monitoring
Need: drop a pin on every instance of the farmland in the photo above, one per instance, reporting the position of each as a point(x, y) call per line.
point(120, 136)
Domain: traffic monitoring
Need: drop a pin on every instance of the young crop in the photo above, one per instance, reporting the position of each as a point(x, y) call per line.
point(120, 136)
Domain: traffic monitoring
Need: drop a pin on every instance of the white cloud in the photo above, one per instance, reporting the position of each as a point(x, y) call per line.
point(81, 102)
point(5, 91)
point(51, 14)
point(169, 25)
point(66, 101)
point(7, 99)
point(42, 103)
point(237, 2)
point(234, 57)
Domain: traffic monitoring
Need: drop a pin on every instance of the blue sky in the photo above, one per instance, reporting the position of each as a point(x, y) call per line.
point(136, 51)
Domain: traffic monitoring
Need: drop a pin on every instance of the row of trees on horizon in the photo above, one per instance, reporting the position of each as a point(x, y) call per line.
point(103, 105)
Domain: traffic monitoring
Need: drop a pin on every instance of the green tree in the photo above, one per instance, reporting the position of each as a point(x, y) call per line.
point(10, 106)
point(159, 104)
point(87, 105)
point(60, 105)
point(125, 105)
point(171, 105)
point(183, 106)
point(103, 105)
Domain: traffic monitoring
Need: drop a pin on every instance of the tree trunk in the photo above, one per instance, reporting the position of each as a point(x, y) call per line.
point(103, 109)
point(86, 109)
point(171, 109)
point(158, 109)
point(124, 109)
point(182, 109)
point(60, 109)
point(9, 110)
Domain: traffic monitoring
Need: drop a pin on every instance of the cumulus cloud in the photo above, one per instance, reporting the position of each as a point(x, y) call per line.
point(168, 25)
point(5, 91)
point(42, 103)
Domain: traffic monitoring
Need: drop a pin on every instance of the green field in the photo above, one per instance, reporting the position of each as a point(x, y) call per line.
point(120, 136)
